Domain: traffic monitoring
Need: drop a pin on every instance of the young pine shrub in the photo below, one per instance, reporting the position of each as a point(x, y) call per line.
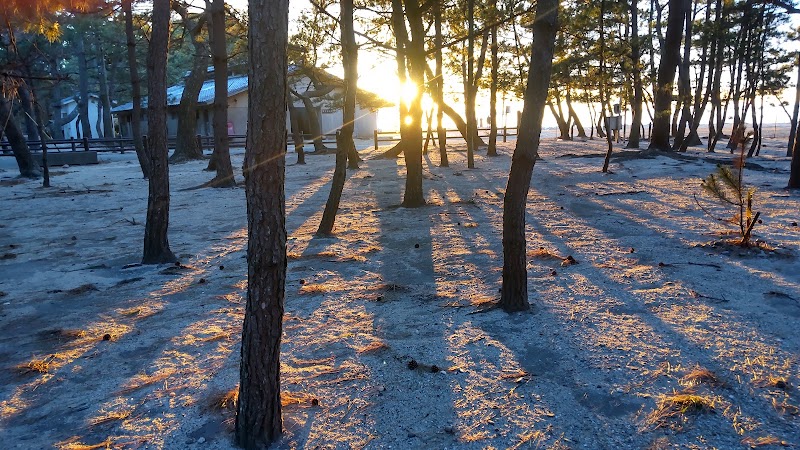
point(727, 187)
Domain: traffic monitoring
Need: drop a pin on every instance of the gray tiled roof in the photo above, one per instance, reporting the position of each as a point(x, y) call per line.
point(236, 84)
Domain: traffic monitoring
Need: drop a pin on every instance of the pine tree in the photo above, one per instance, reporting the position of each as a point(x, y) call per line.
point(727, 186)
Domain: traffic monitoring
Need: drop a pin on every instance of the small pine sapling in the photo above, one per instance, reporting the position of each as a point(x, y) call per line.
point(727, 186)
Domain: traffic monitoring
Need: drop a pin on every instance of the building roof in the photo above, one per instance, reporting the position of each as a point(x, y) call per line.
point(236, 84)
point(74, 98)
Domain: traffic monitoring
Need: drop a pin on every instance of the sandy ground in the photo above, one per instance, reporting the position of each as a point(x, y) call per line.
point(659, 337)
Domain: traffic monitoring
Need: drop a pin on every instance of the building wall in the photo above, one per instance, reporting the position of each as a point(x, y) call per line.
point(72, 130)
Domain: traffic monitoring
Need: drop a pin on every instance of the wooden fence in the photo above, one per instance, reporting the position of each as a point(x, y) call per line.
point(123, 144)
point(394, 136)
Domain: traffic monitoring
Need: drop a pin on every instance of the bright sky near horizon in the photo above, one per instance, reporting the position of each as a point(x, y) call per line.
point(377, 73)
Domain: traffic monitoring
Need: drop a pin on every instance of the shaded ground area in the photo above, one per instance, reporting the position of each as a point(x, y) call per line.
point(657, 335)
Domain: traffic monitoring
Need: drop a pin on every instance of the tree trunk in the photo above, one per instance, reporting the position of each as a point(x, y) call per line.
point(83, 88)
point(105, 96)
point(26, 105)
point(684, 77)
point(514, 293)
point(438, 95)
point(492, 150)
point(136, 113)
point(28, 168)
point(574, 116)
point(795, 111)
point(258, 417)
point(470, 90)
point(636, 121)
point(794, 175)
point(297, 134)
point(186, 147)
point(563, 127)
point(670, 56)
point(156, 244)
point(603, 90)
point(412, 138)
point(337, 186)
point(350, 63)
point(221, 158)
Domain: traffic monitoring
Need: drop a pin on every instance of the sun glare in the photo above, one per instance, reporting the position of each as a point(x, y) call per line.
point(408, 91)
point(409, 120)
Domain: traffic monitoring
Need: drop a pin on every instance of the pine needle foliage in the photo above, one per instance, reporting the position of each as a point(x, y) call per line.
point(727, 186)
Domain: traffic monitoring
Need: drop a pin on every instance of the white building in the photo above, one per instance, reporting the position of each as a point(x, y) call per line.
point(329, 112)
point(73, 129)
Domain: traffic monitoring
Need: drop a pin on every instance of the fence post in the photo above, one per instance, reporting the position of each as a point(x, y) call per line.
point(200, 143)
point(72, 143)
point(86, 143)
point(505, 133)
point(375, 137)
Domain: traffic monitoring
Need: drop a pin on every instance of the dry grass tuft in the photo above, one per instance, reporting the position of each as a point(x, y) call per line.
point(224, 401)
point(36, 365)
point(677, 406)
point(64, 335)
point(763, 441)
point(372, 347)
point(482, 300)
point(774, 382)
point(543, 253)
point(111, 417)
point(785, 408)
point(699, 376)
point(293, 255)
point(314, 289)
point(143, 380)
point(82, 289)
point(298, 398)
point(73, 444)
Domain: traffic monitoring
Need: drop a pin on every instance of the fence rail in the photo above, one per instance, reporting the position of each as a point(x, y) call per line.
point(394, 136)
point(124, 144)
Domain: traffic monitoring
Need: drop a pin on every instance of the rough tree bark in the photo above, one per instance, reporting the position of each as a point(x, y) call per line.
point(28, 167)
point(438, 94)
point(514, 293)
point(636, 66)
point(258, 416)
point(221, 158)
point(495, 67)
point(105, 95)
point(83, 87)
point(417, 65)
point(344, 138)
point(156, 244)
point(186, 148)
point(350, 63)
point(136, 95)
point(670, 56)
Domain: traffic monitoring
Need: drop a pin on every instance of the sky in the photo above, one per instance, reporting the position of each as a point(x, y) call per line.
point(377, 73)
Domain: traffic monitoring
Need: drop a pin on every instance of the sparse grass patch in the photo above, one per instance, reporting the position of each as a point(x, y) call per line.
point(372, 347)
point(143, 380)
point(784, 407)
point(74, 444)
point(774, 382)
point(298, 398)
point(111, 417)
point(36, 365)
point(672, 409)
point(82, 289)
point(698, 376)
point(224, 401)
point(764, 441)
point(314, 289)
point(543, 253)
